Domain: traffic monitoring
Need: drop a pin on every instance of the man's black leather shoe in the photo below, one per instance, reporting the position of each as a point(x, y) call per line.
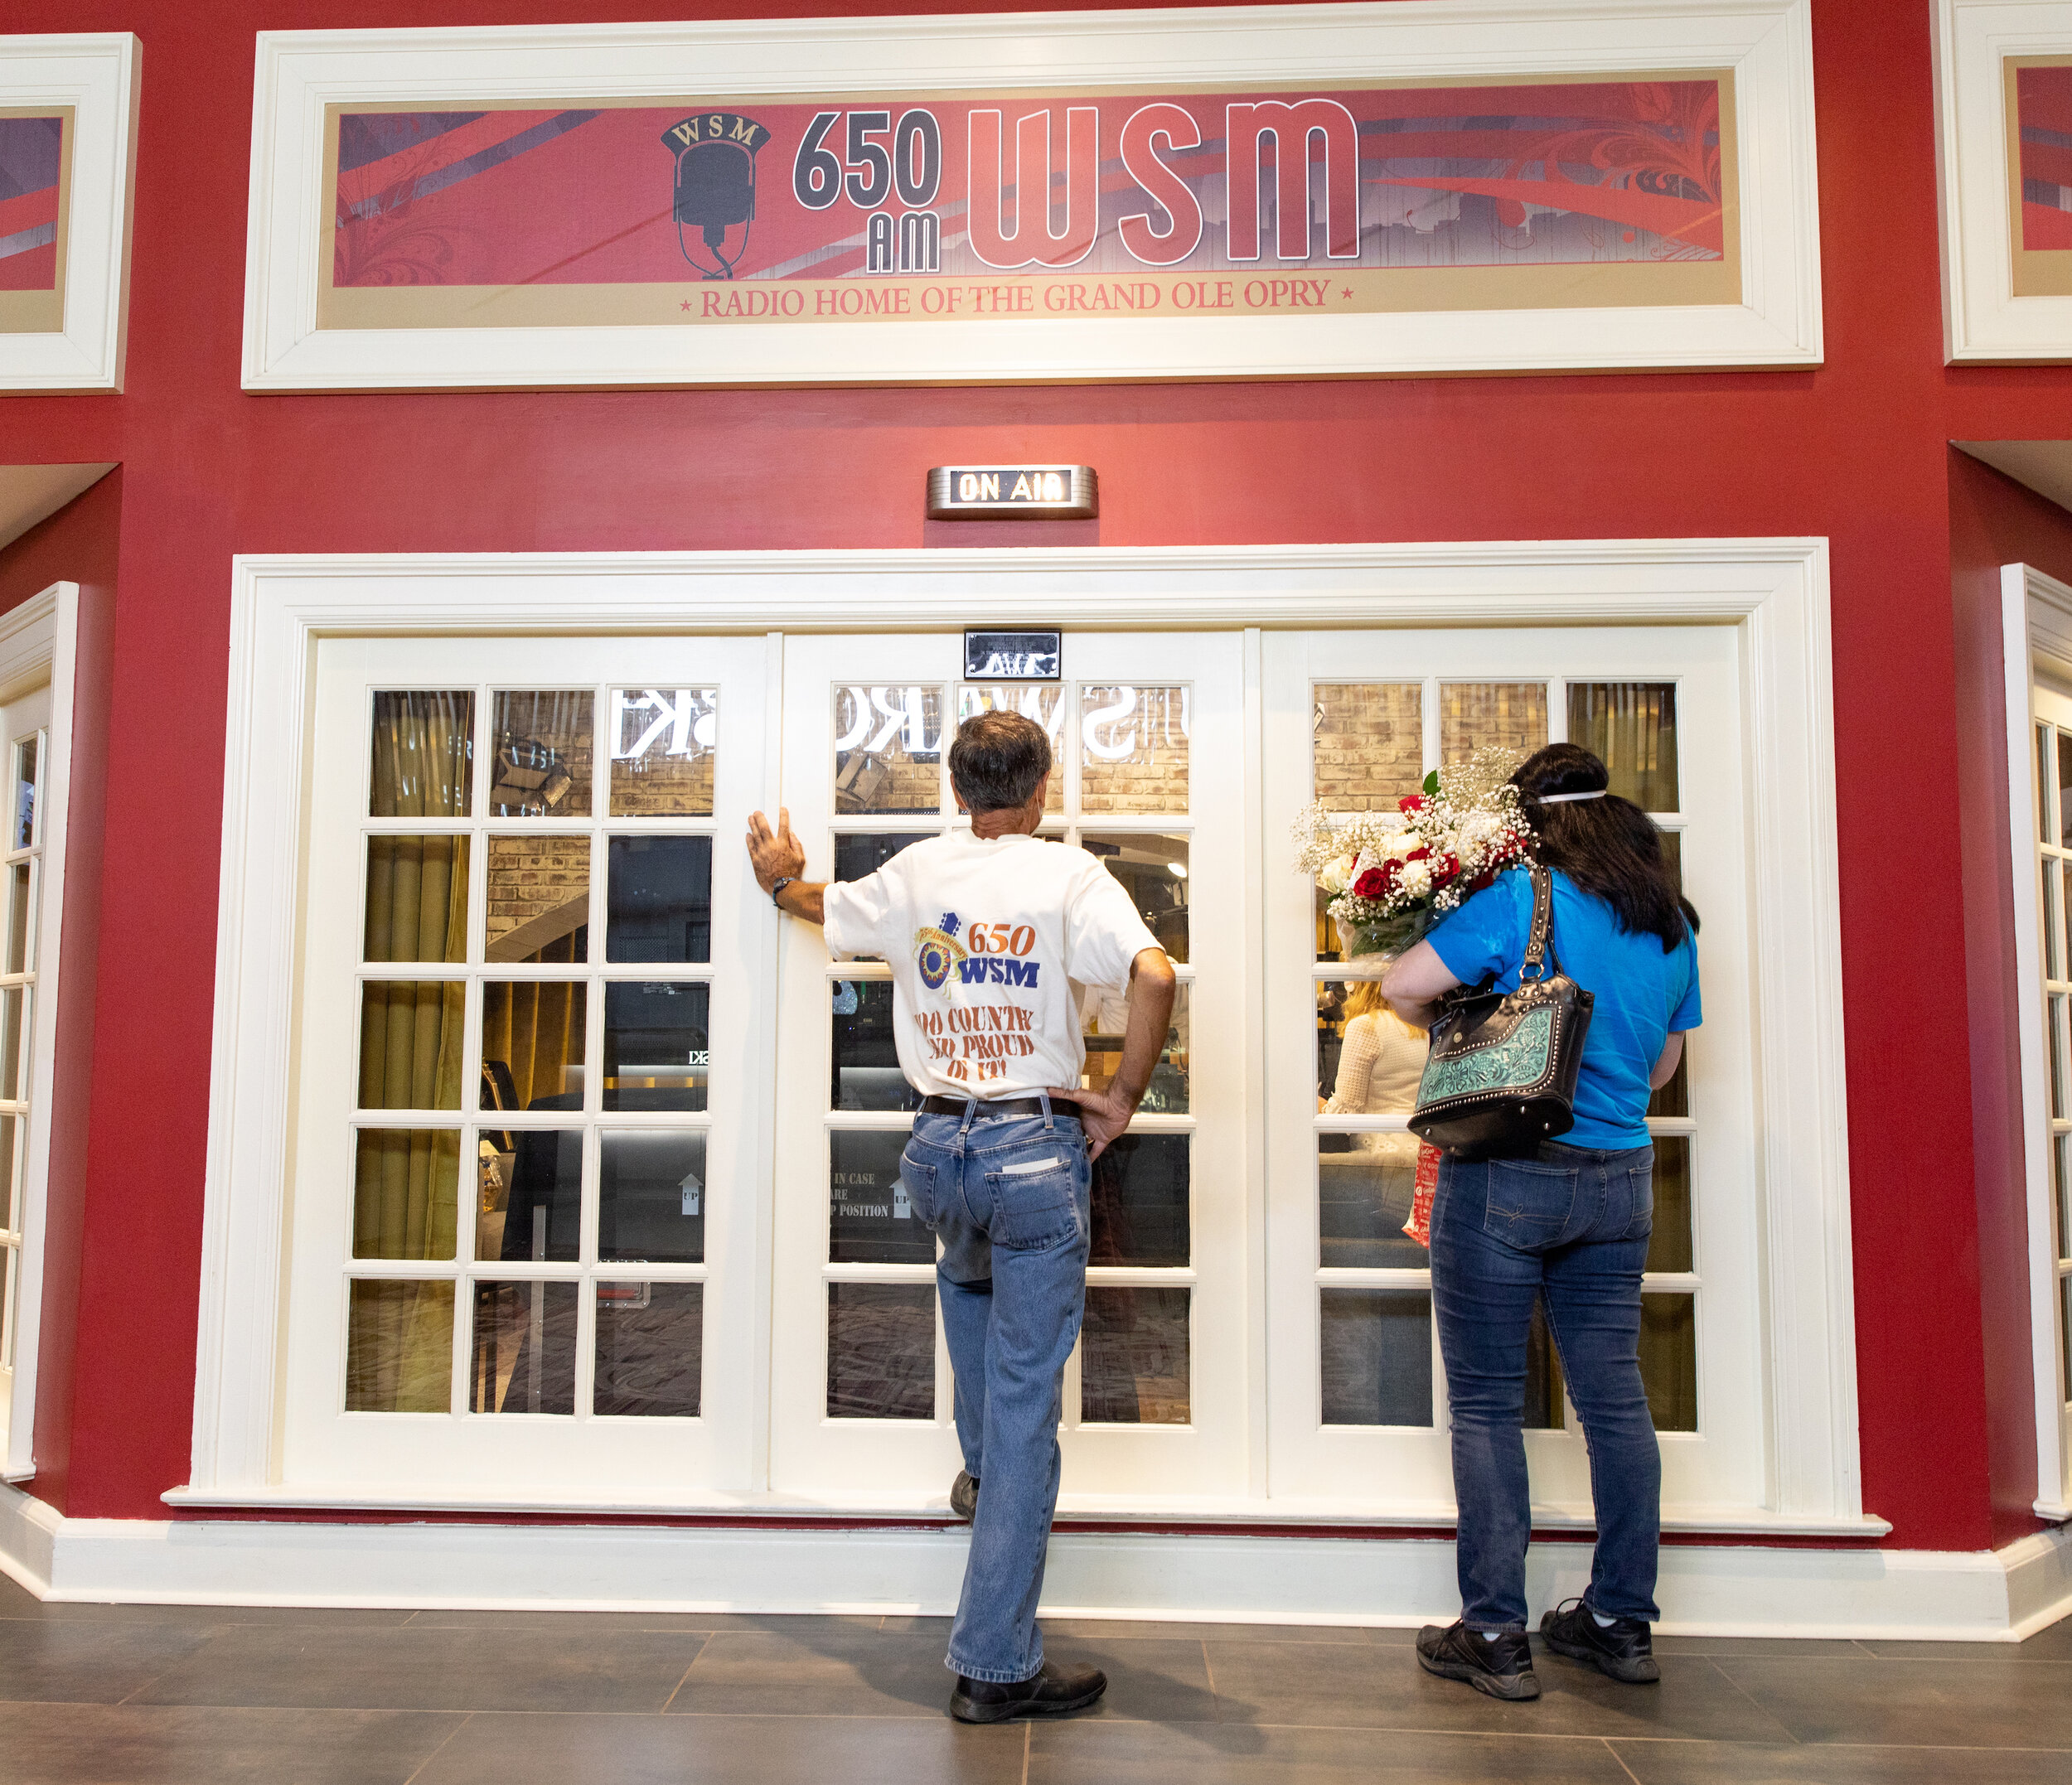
point(1626, 1652)
point(1050, 1693)
point(964, 1496)
point(1501, 1666)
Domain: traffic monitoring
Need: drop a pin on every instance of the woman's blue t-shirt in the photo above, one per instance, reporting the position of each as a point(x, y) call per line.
point(1642, 995)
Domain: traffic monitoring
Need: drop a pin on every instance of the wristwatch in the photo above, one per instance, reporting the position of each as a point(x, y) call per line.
point(781, 883)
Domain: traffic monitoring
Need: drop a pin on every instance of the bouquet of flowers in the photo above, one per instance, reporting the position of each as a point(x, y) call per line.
point(1392, 876)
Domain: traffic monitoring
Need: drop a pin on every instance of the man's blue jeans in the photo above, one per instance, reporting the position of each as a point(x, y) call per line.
point(1569, 1226)
point(1008, 1196)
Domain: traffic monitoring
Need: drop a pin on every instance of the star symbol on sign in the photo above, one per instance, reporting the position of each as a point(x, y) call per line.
point(1346, 293)
point(948, 927)
point(686, 304)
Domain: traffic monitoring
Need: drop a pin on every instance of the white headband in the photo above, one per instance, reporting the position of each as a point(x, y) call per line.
point(1562, 799)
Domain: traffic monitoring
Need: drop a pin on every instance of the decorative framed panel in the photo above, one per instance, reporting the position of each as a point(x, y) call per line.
point(1423, 187)
point(68, 114)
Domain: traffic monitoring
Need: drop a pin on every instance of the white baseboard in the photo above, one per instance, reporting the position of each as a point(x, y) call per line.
point(1715, 1590)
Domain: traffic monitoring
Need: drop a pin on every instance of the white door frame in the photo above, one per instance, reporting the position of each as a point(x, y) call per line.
point(1775, 591)
point(39, 645)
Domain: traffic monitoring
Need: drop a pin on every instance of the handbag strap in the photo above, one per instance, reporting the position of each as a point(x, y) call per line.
point(1539, 947)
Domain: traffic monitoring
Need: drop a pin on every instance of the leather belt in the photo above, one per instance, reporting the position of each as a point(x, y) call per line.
point(1005, 1107)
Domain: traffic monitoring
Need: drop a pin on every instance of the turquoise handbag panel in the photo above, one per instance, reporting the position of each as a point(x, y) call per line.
point(1519, 1061)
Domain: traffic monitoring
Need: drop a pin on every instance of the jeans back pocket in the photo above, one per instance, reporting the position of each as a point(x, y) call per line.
point(1034, 1197)
point(1530, 1202)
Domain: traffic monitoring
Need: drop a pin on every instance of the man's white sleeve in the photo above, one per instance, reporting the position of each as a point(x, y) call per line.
point(1103, 933)
point(857, 915)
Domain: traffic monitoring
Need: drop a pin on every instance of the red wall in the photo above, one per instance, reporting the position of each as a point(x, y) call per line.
point(1855, 452)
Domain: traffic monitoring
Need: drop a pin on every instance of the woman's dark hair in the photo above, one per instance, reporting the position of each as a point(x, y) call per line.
point(997, 759)
point(1608, 846)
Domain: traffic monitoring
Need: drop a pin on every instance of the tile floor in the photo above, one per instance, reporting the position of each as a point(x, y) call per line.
point(181, 1695)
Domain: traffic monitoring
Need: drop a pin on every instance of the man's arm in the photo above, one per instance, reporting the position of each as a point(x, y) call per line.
point(1106, 1113)
point(778, 855)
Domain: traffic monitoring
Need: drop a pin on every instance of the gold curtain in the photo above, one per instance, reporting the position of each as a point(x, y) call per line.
point(1632, 726)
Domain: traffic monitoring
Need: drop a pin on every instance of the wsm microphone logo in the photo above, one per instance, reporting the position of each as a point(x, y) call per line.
point(715, 187)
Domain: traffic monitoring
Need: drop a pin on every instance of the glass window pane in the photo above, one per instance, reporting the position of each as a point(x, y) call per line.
point(400, 1348)
point(1669, 1249)
point(2045, 781)
point(651, 1196)
point(1141, 1213)
point(21, 907)
point(1133, 751)
point(881, 1351)
point(1545, 1408)
point(1107, 1022)
point(539, 899)
point(1673, 853)
point(867, 1075)
point(1370, 744)
point(650, 1349)
point(1153, 871)
point(406, 1192)
point(1471, 714)
point(2053, 1022)
point(2053, 928)
point(860, 853)
point(1043, 702)
point(657, 1052)
point(533, 1036)
point(2060, 1154)
point(525, 1348)
point(663, 741)
point(25, 785)
point(2064, 743)
point(870, 1219)
point(424, 754)
point(1633, 727)
point(2065, 1331)
point(541, 1216)
point(1369, 1061)
point(1366, 1184)
point(1675, 1098)
point(12, 1054)
point(660, 894)
point(1669, 1360)
point(417, 898)
point(410, 1044)
point(1133, 1356)
point(888, 749)
point(10, 1177)
point(1377, 1356)
point(2063, 970)
point(9, 1260)
point(539, 755)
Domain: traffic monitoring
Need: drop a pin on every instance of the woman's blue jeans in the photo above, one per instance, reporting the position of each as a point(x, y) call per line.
point(1008, 1197)
point(1569, 1226)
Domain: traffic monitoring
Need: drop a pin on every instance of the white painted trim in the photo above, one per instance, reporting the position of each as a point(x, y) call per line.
point(97, 75)
point(39, 643)
point(1767, 43)
point(1214, 1576)
point(1775, 588)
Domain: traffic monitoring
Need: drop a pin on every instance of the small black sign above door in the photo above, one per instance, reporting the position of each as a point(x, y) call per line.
point(1011, 656)
point(1013, 492)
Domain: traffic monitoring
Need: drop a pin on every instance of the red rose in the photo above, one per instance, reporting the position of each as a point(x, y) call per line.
point(1418, 855)
point(1372, 884)
point(1445, 869)
point(1411, 802)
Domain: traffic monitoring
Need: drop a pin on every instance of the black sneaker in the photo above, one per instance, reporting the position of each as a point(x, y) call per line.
point(1501, 1666)
point(1626, 1651)
point(1049, 1693)
point(964, 1496)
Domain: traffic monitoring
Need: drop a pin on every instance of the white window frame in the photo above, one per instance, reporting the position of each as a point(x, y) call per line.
point(1775, 591)
point(38, 645)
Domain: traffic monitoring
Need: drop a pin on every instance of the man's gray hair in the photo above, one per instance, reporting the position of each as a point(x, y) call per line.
point(997, 760)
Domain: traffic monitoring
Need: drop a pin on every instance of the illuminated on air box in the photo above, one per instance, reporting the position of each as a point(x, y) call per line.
point(993, 492)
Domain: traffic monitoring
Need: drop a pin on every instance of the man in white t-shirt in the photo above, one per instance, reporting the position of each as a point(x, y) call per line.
point(992, 934)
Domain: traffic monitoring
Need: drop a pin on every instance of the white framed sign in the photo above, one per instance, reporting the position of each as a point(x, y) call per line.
point(1409, 188)
point(68, 122)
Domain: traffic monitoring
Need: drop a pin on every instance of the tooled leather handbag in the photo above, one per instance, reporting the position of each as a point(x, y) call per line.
point(1500, 1076)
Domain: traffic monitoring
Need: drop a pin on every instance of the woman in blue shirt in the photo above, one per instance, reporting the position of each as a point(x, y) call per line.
point(1567, 1224)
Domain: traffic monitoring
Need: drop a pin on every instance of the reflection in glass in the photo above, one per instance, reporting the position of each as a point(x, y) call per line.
point(1513, 714)
point(424, 754)
point(406, 1192)
point(866, 1055)
point(2053, 1021)
point(1133, 749)
point(650, 1346)
point(651, 1196)
point(881, 1351)
point(1107, 1019)
point(662, 744)
point(1153, 871)
point(1632, 726)
point(10, 1178)
point(1142, 1207)
point(860, 853)
point(2062, 740)
point(541, 1216)
point(20, 905)
point(1369, 1061)
point(525, 1348)
point(539, 755)
point(659, 899)
point(400, 1348)
point(657, 1052)
point(539, 899)
point(417, 900)
point(2064, 1326)
point(888, 749)
point(2062, 969)
point(8, 1254)
point(533, 1034)
point(25, 785)
point(2061, 1152)
point(1673, 853)
point(1133, 1356)
point(1043, 702)
point(870, 1220)
point(12, 1053)
point(1670, 1247)
point(1369, 744)
point(1363, 1198)
point(2045, 781)
point(1669, 1360)
point(1377, 1356)
point(409, 1044)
